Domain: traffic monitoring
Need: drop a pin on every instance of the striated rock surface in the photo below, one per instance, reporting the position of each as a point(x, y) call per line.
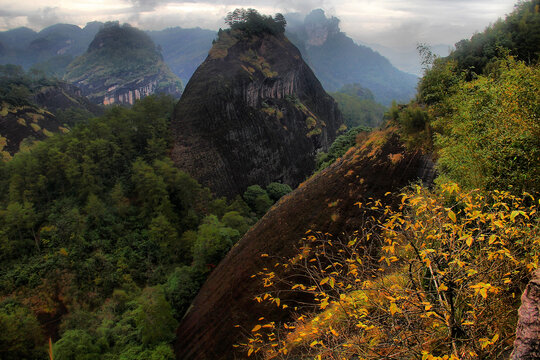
point(252, 113)
point(122, 64)
point(527, 343)
point(326, 203)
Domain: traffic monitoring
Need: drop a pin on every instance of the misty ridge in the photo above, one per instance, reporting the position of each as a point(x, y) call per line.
point(275, 189)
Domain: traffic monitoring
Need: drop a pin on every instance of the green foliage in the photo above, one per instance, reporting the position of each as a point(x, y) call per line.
point(261, 204)
point(17, 87)
point(277, 190)
point(260, 200)
point(76, 345)
point(154, 317)
point(414, 125)
point(91, 217)
point(490, 138)
point(339, 147)
point(251, 194)
point(357, 111)
point(214, 239)
point(439, 82)
point(20, 333)
point(519, 33)
point(250, 22)
point(234, 220)
point(180, 289)
point(356, 90)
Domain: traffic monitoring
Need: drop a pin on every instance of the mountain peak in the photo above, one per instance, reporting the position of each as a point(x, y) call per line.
point(121, 37)
point(319, 28)
point(122, 64)
point(253, 113)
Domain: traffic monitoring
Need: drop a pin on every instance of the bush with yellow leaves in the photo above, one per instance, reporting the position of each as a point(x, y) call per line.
point(440, 278)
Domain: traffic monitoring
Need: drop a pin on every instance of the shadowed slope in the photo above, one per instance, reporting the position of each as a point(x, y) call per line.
point(325, 202)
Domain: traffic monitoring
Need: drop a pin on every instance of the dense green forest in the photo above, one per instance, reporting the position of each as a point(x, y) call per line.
point(98, 226)
point(358, 106)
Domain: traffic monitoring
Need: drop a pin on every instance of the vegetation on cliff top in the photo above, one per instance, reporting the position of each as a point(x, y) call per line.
point(251, 22)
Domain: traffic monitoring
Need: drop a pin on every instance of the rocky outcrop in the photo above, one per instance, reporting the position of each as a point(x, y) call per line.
point(319, 28)
point(326, 203)
point(136, 90)
point(121, 65)
point(527, 343)
point(252, 113)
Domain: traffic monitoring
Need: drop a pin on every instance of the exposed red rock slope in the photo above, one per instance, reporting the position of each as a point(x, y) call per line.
point(379, 165)
point(527, 343)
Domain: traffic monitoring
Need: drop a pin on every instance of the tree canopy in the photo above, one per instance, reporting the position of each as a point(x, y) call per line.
point(251, 22)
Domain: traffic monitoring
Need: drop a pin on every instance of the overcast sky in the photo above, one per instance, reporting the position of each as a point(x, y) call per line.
point(392, 23)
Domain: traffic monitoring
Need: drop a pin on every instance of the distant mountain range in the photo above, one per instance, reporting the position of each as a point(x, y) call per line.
point(55, 47)
point(337, 60)
point(334, 57)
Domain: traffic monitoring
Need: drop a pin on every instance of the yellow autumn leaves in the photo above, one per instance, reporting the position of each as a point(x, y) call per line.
point(437, 278)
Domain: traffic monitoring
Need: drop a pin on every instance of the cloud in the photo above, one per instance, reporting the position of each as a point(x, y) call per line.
point(395, 23)
point(44, 17)
point(145, 5)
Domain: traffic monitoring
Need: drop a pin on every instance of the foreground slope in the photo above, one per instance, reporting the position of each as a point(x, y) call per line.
point(252, 113)
point(326, 203)
point(121, 65)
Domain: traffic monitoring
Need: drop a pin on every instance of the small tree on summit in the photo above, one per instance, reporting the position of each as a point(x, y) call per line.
point(250, 21)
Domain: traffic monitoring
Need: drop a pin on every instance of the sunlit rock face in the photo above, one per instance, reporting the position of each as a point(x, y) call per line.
point(527, 343)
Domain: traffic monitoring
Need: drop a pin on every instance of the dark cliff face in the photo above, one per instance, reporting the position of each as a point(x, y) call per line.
point(326, 203)
point(252, 113)
point(122, 64)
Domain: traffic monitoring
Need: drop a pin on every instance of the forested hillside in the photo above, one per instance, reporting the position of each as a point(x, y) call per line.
point(104, 242)
point(337, 60)
point(34, 107)
point(358, 106)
